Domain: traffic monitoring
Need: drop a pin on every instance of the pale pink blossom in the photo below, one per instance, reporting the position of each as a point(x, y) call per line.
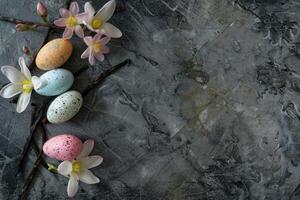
point(71, 20)
point(41, 9)
point(96, 47)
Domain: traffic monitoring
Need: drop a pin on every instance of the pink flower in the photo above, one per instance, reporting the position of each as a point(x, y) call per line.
point(98, 22)
point(71, 20)
point(96, 47)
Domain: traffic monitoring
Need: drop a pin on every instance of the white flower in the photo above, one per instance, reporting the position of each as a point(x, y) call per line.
point(98, 22)
point(78, 169)
point(21, 82)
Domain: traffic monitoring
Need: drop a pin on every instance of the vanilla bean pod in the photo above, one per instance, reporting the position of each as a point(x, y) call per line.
point(104, 75)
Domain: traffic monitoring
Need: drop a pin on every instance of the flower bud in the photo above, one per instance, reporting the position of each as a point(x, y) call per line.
point(26, 50)
point(41, 9)
point(22, 27)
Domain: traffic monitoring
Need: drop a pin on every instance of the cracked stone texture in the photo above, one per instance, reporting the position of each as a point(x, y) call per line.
point(207, 109)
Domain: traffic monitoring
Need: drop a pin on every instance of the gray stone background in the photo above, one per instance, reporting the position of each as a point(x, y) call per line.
point(207, 109)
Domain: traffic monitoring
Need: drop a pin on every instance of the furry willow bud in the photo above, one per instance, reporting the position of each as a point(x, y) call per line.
point(22, 27)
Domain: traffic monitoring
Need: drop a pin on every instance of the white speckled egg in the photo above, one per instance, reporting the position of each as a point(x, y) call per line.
point(64, 107)
point(55, 82)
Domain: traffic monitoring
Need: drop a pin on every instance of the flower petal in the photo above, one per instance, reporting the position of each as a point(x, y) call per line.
point(13, 75)
point(88, 177)
point(36, 82)
point(24, 68)
point(85, 54)
point(111, 31)
point(68, 33)
point(97, 36)
point(105, 49)
point(88, 40)
point(79, 32)
point(87, 23)
point(88, 146)
point(72, 185)
point(65, 168)
point(104, 40)
point(91, 161)
point(88, 8)
point(92, 59)
point(99, 56)
point(74, 8)
point(82, 17)
point(23, 101)
point(10, 90)
point(64, 12)
point(107, 11)
point(60, 22)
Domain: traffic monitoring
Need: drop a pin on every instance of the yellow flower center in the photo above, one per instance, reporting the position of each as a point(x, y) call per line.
point(71, 21)
point(97, 47)
point(76, 167)
point(96, 23)
point(26, 86)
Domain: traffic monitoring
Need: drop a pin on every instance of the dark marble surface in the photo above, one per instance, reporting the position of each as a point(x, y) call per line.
point(207, 110)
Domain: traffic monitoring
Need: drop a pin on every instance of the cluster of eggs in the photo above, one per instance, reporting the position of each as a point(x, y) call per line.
point(58, 81)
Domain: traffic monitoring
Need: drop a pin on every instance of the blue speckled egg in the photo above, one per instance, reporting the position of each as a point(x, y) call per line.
point(55, 82)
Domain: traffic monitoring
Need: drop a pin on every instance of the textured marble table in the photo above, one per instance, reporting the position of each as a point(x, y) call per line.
point(207, 109)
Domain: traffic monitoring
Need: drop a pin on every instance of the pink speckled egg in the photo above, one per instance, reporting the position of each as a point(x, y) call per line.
point(63, 147)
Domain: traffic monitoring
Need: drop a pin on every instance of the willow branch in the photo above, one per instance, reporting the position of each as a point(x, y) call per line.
point(104, 75)
point(19, 21)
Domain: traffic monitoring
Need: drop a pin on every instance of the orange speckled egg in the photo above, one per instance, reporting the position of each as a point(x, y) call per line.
point(54, 54)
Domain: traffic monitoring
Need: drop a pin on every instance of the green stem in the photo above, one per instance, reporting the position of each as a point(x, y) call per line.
point(52, 168)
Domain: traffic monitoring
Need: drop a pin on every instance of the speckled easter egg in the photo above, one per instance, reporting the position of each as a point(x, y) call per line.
point(64, 107)
point(54, 54)
point(55, 82)
point(63, 147)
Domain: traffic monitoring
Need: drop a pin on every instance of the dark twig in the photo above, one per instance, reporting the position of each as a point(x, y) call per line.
point(31, 176)
point(104, 75)
point(19, 21)
point(37, 151)
point(77, 73)
point(39, 160)
point(30, 137)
